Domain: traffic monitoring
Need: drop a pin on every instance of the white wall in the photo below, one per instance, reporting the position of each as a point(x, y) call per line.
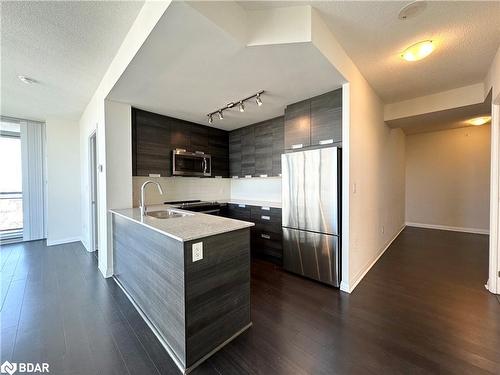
point(257, 189)
point(447, 179)
point(63, 181)
point(93, 118)
point(182, 188)
point(373, 166)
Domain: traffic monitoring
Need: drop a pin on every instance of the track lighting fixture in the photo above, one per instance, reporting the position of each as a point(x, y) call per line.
point(258, 100)
point(239, 103)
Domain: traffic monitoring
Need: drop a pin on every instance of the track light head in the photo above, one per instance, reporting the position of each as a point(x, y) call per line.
point(242, 107)
point(210, 119)
point(221, 116)
point(258, 100)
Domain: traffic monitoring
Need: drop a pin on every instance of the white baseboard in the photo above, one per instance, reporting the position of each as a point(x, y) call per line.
point(63, 241)
point(445, 227)
point(362, 273)
point(106, 272)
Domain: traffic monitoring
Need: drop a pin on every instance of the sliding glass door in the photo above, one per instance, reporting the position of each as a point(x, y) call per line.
point(11, 181)
point(22, 180)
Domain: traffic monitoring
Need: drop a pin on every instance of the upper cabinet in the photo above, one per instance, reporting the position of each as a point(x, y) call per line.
point(155, 136)
point(255, 150)
point(314, 122)
point(298, 125)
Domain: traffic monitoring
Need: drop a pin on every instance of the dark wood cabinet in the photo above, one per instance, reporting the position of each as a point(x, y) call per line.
point(150, 144)
point(298, 125)
point(218, 148)
point(248, 151)
point(314, 122)
point(263, 149)
point(266, 235)
point(256, 150)
point(277, 126)
point(326, 118)
point(154, 137)
point(235, 153)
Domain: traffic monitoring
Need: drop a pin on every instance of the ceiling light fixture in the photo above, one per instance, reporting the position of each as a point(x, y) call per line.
point(479, 120)
point(239, 103)
point(418, 51)
point(411, 10)
point(27, 80)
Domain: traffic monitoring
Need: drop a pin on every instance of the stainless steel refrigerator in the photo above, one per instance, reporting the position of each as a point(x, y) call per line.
point(311, 182)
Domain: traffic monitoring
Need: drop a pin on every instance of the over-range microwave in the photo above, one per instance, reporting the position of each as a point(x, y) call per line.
point(196, 164)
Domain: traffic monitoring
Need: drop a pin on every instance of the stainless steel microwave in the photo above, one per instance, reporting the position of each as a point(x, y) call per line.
point(196, 164)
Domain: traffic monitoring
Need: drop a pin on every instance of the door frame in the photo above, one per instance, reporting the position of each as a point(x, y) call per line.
point(93, 196)
point(493, 284)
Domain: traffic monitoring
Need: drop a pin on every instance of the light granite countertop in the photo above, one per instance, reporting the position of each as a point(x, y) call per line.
point(253, 203)
point(186, 228)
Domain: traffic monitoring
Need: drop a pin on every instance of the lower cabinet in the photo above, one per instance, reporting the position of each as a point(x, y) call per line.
point(266, 235)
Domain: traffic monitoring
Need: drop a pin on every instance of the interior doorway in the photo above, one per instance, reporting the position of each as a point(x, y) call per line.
point(93, 193)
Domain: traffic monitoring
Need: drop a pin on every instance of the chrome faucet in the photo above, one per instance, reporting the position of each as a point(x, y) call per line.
point(143, 205)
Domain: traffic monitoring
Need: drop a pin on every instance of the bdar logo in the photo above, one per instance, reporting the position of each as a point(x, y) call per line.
point(8, 368)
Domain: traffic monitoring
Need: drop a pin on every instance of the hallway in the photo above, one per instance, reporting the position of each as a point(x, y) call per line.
point(421, 309)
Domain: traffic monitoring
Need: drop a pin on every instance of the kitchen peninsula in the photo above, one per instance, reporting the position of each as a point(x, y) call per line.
point(188, 274)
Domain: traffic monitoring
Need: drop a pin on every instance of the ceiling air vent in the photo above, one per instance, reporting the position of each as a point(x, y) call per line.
point(412, 9)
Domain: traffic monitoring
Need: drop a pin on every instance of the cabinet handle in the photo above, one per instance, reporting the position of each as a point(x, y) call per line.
point(265, 208)
point(299, 145)
point(236, 176)
point(241, 206)
point(263, 175)
point(248, 176)
point(154, 175)
point(265, 217)
point(266, 236)
point(326, 142)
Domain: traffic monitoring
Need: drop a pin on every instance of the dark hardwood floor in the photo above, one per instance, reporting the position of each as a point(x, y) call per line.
point(422, 309)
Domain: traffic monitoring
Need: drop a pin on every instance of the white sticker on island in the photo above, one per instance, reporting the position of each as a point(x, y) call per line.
point(197, 251)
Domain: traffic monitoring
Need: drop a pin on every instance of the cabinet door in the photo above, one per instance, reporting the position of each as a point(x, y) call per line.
point(151, 137)
point(247, 151)
point(179, 134)
point(278, 147)
point(235, 153)
point(298, 125)
point(264, 149)
point(198, 138)
point(218, 144)
point(326, 118)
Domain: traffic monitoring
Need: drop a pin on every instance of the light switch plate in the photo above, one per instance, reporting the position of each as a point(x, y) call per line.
point(197, 251)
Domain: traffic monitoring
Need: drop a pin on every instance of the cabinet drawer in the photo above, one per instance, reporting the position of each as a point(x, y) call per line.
point(267, 248)
point(271, 216)
point(239, 212)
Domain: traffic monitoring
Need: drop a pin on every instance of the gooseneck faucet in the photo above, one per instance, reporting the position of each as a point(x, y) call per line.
point(143, 187)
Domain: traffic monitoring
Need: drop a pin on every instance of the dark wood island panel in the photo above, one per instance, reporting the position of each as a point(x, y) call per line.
point(194, 307)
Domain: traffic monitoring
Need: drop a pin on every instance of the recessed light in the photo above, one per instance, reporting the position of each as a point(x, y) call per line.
point(418, 51)
point(479, 120)
point(27, 80)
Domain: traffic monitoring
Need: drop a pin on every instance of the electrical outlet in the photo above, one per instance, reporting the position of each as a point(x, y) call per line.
point(197, 251)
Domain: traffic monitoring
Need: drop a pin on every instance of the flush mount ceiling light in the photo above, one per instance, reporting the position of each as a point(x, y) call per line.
point(27, 80)
point(418, 51)
point(411, 10)
point(479, 120)
point(239, 103)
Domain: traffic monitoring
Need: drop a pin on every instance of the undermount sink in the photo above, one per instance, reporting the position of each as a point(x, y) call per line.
point(166, 214)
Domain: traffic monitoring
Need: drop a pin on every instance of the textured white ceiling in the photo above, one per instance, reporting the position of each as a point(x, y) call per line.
point(189, 66)
point(467, 35)
point(66, 46)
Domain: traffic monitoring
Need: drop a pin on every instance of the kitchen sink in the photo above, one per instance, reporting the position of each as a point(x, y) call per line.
point(167, 214)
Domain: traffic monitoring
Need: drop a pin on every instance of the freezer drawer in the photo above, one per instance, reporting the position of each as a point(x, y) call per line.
point(310, 190)
point(313, 255)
